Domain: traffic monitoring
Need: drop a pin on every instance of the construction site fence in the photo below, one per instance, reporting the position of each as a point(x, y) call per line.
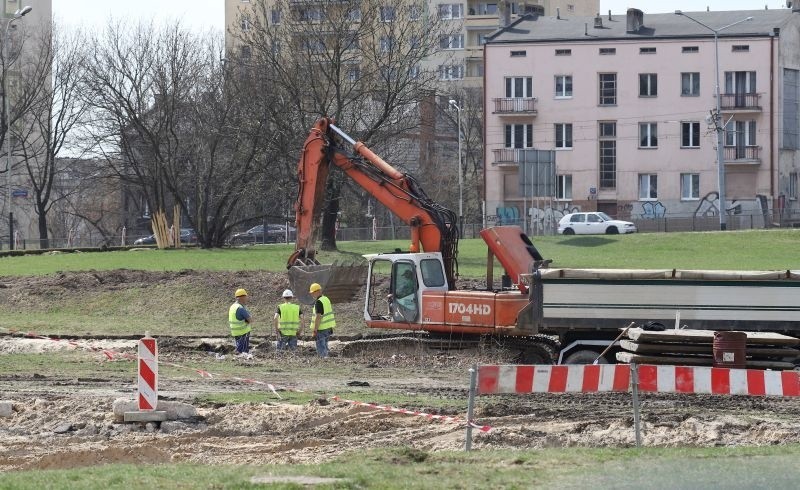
point(534, 227)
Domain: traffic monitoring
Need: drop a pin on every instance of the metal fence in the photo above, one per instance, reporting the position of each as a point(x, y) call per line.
point(548, 226)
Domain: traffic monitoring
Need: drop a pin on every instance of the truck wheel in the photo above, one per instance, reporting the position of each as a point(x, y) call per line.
point(534, 354)
point(584, 356)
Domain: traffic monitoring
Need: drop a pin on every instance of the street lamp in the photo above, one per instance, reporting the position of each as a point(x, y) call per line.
point(6, 54)
point(460, 177)
point(718, 118)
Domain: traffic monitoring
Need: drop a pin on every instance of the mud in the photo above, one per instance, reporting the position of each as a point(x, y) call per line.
point(64, 421)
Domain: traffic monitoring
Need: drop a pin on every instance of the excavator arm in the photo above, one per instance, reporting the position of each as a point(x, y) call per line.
point(433, 227)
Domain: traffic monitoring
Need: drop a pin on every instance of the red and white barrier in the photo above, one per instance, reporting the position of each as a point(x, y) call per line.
point(718, 381)
point(617, 377)
point(553, 379)
point(148, 374)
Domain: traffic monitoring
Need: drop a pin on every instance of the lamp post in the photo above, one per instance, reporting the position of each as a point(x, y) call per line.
point(6, 54)
point(460, 177)
point(718, 118)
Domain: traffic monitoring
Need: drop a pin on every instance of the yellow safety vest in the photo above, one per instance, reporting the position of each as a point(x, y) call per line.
point(289, 321)
point(238, 327)
point(328, 321)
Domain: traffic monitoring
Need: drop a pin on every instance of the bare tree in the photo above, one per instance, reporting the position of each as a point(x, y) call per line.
point(362, 63)
point(54, 116)
point(167, 121)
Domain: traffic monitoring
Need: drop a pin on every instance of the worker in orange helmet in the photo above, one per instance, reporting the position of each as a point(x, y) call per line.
point(323, 320)
point(239, 320)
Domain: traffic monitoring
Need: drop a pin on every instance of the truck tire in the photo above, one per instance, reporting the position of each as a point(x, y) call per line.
point(534, 354)
point(584, 356)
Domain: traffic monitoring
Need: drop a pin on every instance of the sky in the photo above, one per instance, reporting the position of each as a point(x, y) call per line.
point(204, 14)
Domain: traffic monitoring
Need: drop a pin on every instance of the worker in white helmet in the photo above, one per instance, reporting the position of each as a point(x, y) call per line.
point(287, 321)
point(239, 320)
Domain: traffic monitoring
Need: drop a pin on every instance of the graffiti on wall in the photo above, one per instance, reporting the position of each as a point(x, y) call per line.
point(709, 206)
point(546, 217)
point(653, 210)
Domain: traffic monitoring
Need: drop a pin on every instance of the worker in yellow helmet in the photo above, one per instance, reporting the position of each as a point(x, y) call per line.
point(239, 320)
point(323, 321)
point(287, 321)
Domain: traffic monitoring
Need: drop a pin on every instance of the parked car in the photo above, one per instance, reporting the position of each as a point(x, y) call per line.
point(596, 223)
point(274, 234)
point(188, 235)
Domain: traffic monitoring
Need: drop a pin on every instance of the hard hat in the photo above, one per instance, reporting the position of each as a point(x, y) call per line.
point(288, 294)
point(240, 292)
point(314, 288)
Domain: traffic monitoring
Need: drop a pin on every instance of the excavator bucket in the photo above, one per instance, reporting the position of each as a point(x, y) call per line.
point(340, 282)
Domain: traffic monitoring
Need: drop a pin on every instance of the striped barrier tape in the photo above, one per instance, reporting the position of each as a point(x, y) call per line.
point(577, 378)
point(430, 416)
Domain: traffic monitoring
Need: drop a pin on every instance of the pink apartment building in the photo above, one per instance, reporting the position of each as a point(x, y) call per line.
point(625, 102)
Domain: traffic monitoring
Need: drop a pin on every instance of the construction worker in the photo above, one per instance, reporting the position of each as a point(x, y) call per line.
point(287, 321)
point(323, 321)
point(239, 320)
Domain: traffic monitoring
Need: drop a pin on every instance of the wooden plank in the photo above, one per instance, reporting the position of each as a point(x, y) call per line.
point(642, 348)
point(630, 357)
point(686, 335)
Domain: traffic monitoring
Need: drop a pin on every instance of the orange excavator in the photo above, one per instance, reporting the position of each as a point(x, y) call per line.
point(415, 290)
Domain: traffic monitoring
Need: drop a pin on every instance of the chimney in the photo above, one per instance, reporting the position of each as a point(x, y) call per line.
point(558, 13)
point(505, 13)
point(598, 22)
point(609, 15)
point(635, 19)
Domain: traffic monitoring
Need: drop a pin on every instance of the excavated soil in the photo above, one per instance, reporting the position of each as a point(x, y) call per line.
point(58, 421)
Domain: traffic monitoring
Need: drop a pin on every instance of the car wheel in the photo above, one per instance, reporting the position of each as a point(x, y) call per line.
point(569, 231)
point(612, 230)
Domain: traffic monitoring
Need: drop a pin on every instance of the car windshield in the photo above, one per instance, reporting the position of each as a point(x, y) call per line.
point(605, 216)
point(256, 229)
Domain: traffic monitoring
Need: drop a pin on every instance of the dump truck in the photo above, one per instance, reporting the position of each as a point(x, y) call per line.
point(542, 314)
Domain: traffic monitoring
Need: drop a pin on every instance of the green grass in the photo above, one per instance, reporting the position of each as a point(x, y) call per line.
point(408, 468)
point(744, 250)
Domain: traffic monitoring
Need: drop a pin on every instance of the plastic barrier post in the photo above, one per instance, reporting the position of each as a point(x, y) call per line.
point(148, 374)
point(473, 377)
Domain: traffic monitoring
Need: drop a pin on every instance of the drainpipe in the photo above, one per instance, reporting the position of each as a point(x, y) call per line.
point(772, 118)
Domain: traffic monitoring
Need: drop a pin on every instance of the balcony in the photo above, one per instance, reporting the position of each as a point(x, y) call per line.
point(740, 102)
point(742, 154)
point(507, 156)
point(515, 105)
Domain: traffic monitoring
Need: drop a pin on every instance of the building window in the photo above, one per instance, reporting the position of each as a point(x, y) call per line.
point(415, 12)
point(245, 52)
point(563, 86)
point(648, 85)
point(793, 185)
point(608, 89)
point(740, 48)
point(690, 134)
point(564, 187)
point(518, 54)
point(276, 16)
point(607, 51)
point(690, 187)
point(519, 87)
point(564, 136)
point(353, 73)
point(413, 72)
point(485, 9)
point(690, 84)
point(387, 14)
point(608, 154)
point(690, 49)
point(354, 15)
point(244, 23)
point(519, 136)
point(791, 109)
point(451, 11)
point(740, 134)
point(455, 41)
point(740, 82)
point(648, 135)
point(387, 44)
point(451, 72)
point(310, 14)
point(563, 52)
point(647, 50)
point(648, 186)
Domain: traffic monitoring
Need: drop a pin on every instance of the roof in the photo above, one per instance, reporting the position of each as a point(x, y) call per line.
point(550, 29)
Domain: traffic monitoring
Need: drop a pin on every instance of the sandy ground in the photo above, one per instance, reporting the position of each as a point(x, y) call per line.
point(65, 423)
